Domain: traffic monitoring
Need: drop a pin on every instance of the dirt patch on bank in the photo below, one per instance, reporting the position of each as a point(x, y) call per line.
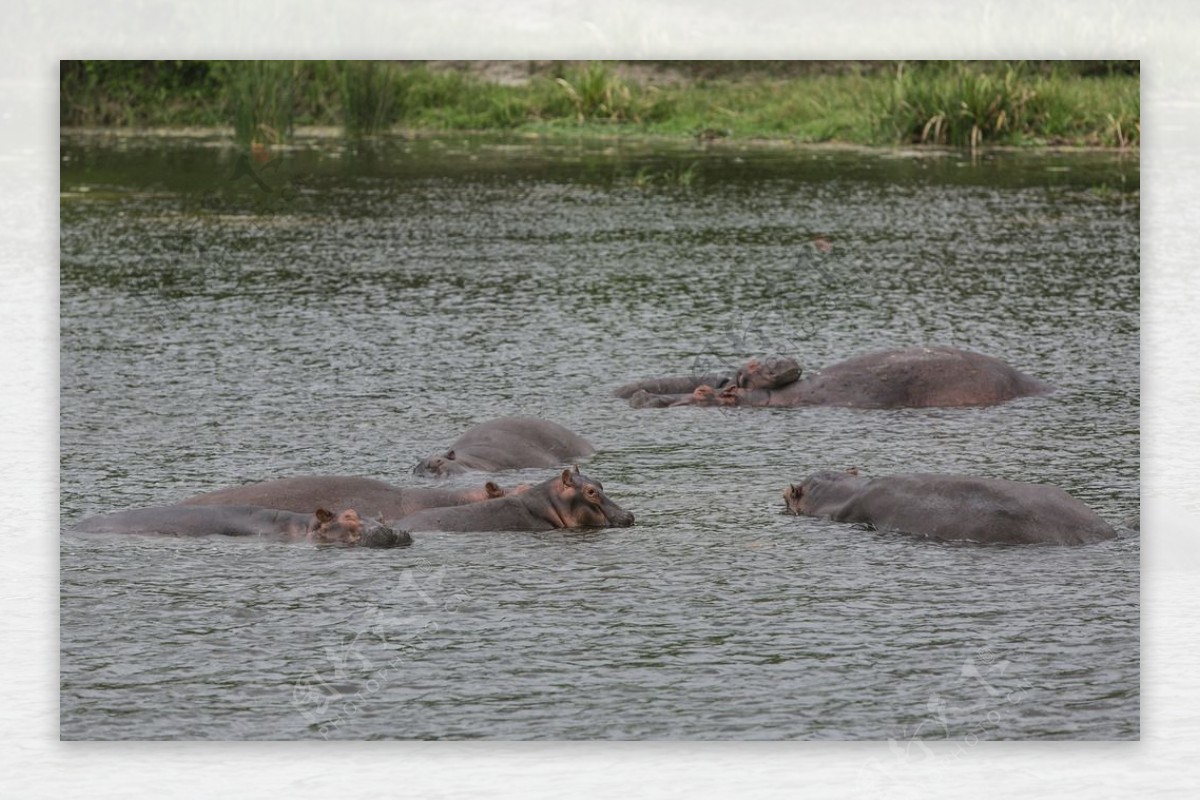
point(658, 73)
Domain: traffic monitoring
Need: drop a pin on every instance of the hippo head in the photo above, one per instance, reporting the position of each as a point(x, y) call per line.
point(805, 497)
point(793, 499)
point(580, 502)
point(348, 528)
point(772, 372)
point(439, 466)
point(382, 536)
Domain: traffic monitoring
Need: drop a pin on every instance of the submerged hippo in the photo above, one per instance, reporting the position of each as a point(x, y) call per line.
point(886, 379)
point(569, 500)
point(508, 443)
point(771, 372)
point(301, 493)
point(950, 507)
point(345, 528)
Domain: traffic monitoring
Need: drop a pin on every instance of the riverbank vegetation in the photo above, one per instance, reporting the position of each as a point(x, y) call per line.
point(965, 104)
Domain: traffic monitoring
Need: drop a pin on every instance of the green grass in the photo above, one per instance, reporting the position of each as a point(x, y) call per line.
point(970, 105)
point(964, 104)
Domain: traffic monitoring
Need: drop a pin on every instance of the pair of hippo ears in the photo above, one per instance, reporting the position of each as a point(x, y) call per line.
point(568, 476)
point(798, 489)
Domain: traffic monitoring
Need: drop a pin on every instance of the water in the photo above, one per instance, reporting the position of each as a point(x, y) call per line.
point(382, 298)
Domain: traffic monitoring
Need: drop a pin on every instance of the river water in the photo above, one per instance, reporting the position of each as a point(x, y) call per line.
point(350, 308)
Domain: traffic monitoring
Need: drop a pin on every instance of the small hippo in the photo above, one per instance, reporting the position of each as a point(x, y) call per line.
point(772, 372)
point(569, 500)
point(507, 443)
point(301, 493)
point(886, 379)
point(704, 395)
point(950, 508)
point(323, 526)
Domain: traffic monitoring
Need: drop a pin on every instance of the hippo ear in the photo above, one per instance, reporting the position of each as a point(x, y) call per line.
point(852, 471)
point(576, 469)
point(566, 478)
point(797, 490)
point(450, 455)
point(493, 490)
point(324, 515)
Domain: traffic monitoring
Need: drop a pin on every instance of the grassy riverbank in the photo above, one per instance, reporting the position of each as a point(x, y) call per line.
point(870, 103)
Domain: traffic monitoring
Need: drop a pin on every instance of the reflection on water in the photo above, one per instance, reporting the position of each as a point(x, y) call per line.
point(371, 302)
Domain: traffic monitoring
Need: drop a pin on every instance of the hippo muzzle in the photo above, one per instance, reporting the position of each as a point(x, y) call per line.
point(615, 516)
point(384, 537)
point(438, 467)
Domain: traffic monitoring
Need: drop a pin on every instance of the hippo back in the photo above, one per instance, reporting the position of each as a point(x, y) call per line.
point(369, 496)
point(234, 521)
point(499, 514)
point(917, 377)
point(971, 508)
point(515, 442)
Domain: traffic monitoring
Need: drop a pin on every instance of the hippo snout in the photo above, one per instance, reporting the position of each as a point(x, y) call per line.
point(644, 400)
point(623, 519)
point(385, 537)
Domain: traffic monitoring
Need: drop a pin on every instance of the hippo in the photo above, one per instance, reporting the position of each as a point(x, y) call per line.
point(950, 508)
point(302, 493)
point(771, 372)
point(507, 443)
point(886, 379)
point(322, 526)
point(569, 500)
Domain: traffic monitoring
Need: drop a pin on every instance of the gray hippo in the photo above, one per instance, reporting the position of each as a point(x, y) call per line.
point(569, 500)
point(886, 379)
point(771, 372)
point(302, 493)
point(950, 508)
point(508, 443)
point(345, 528)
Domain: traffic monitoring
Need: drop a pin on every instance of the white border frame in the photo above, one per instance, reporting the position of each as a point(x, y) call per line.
point(1162, 33)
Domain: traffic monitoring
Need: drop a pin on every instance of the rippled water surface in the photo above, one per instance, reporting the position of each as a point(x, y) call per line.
point(374, 301)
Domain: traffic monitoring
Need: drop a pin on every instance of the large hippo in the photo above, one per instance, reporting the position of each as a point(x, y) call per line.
point(377, 498)
point(950, 507)
point(569, 500)
point(886, 379)
point(345, 528)
point(508, 443)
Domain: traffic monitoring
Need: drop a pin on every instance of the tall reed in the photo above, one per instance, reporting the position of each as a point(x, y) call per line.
point(368, 96)
point(955, 104)
point(260, 99)
point(595, 94)
point(972, 104)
